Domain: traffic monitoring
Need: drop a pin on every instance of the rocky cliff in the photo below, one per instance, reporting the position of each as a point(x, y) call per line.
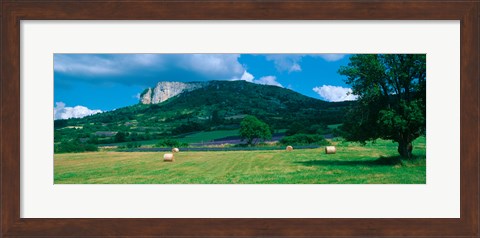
point(165, 90)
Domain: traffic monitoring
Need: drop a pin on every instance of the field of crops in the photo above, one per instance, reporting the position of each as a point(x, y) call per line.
point(374, 163)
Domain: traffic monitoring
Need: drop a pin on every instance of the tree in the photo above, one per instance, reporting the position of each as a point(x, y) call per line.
point(391, 91)
point(252, 129)
point(121, 136)
point(294, 128)
point(216, 119)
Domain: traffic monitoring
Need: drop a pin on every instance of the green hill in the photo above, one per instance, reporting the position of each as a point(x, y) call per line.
point(220, 105)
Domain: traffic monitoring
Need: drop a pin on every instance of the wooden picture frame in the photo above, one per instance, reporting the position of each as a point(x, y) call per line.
point(12, 12)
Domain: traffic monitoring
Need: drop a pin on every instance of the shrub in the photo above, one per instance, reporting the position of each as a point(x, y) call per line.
point(72, 146)
point(189, 127)
point(133, 145)
point(304, 139)
point(170, 143)
point(90, 147)
point(120, 136)
point(299, 128)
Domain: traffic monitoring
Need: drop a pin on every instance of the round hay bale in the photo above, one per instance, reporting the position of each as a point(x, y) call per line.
point(289, 148)
point(175, 150)
point(168, 157)
point(330, 150)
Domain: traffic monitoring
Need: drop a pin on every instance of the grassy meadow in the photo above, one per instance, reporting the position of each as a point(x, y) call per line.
point(374, 163)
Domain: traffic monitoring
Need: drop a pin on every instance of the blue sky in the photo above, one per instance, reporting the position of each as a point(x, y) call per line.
point(90, 83)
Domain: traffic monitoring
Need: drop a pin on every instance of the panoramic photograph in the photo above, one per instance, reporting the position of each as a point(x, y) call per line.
point(239, 118)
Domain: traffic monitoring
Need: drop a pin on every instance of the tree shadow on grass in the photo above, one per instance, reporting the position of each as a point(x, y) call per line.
point(382, 161)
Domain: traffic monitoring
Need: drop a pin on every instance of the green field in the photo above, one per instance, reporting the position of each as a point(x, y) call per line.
point(205, 136)
point(376, 163)
point(198, 137)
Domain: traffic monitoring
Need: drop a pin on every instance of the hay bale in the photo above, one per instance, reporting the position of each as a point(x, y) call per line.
point(175, 150)
point(330, 150)
point(168, 157)
point(289, 148)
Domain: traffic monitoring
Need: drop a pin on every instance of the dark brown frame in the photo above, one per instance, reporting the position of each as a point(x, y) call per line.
point(12, 12)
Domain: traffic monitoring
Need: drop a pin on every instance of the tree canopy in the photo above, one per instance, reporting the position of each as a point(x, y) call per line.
point(391, 91)
point(252, 129)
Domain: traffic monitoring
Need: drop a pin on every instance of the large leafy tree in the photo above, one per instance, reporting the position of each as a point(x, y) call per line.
point(252, 129)
point(391, 90)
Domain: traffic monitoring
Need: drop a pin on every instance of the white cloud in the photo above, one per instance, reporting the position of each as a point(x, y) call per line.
point(85, 65)
point(268, 80)
point(62, 112)
point(211, 64)
point(146, 59)
point(246, 76)
point(332, 57)
point(287, 62)
point(335, 93)
point(107, 64)
point(146, 69)
point(295, 67)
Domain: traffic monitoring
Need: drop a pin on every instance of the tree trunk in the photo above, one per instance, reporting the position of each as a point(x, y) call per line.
point(405, 148)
